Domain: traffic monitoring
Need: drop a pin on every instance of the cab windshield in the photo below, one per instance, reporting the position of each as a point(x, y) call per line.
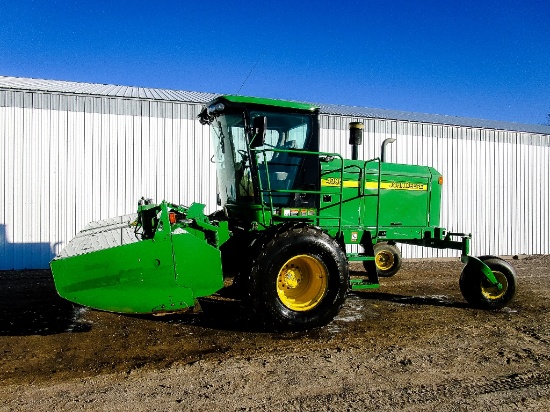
point(279, 161)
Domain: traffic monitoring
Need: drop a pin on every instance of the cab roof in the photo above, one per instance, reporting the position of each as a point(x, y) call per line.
point(244, 100)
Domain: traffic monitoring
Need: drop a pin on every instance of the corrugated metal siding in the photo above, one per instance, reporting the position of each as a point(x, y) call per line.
point(69, 160)
point(496, 182)
point(366, 112)
point(111, 90)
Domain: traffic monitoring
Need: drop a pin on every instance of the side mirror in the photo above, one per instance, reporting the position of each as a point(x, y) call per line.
point(259, 126)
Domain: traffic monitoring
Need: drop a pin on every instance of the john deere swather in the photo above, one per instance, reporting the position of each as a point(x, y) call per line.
point(288, 212)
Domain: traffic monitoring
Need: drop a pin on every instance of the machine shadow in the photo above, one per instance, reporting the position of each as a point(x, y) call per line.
point(30, 305)
point(235, 315)
point(225, 311)
point(221, 311)
point(411, 300)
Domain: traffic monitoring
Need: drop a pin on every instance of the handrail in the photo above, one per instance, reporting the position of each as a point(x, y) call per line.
point(362, 170)
point(270, 191)
point(376, 159)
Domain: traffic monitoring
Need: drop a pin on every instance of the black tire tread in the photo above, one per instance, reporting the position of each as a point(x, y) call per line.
point(268, 309)
point(470, 284)
point(397, 257)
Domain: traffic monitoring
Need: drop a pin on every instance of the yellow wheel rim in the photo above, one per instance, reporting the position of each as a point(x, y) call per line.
point(302, 283)
point(492, 292)
point(384, 260)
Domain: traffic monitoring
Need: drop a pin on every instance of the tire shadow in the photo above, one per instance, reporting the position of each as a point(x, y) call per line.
point(224, 310)
point(433, 300)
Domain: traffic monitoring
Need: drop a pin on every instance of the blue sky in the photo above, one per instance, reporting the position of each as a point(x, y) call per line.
point(483, 59)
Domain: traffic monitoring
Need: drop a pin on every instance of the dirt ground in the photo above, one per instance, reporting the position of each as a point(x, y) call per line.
point(412, 345)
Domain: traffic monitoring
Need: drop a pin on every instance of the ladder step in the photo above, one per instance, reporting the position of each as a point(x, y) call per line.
point(359, 257)
point(359, 284)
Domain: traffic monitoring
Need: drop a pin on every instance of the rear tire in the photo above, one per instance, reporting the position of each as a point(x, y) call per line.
point(479, 293)
point(299, 280)
point(387, 258)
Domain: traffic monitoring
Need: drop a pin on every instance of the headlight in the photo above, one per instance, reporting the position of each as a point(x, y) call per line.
point(216, 108)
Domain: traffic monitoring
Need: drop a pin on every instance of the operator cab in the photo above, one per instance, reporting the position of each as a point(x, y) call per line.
point(266, 151)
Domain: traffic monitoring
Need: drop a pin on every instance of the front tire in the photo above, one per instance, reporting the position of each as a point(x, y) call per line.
point(299, 280)
point(479, 293)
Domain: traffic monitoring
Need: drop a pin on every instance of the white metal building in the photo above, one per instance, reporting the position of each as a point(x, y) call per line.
point(72, 153)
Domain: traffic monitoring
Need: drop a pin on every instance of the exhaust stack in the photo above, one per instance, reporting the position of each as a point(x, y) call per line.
point(355, 138)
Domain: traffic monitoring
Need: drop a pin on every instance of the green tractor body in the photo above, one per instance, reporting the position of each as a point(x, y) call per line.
point(287, 213)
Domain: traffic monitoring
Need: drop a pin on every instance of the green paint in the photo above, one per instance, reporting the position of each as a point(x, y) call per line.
point(360, 284)
point(254, 101)
point(165, 273)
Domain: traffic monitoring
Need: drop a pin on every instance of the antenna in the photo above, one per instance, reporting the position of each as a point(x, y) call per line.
point(249, 73)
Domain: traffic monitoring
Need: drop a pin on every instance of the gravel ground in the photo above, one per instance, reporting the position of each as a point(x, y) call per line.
point(412, 345)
